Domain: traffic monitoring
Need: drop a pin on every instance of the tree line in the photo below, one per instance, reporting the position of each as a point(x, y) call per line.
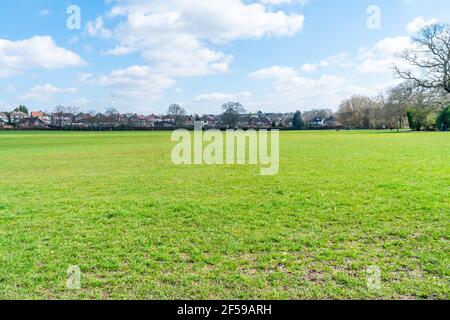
point(422, 101)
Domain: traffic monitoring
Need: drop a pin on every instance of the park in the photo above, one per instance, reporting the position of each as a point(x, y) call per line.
point(140, 227)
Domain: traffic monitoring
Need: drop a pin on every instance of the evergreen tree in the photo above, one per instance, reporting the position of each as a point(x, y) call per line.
point(298, 121)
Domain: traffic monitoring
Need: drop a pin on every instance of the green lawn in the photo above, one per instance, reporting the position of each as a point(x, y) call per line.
point(140, 227)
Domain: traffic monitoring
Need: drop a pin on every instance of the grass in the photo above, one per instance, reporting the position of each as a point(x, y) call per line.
point(141, 228)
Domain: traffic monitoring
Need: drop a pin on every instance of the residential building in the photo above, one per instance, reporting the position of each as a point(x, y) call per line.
point(46, 118)
point(210, 121)
point(4, 117)
point(153, 120)
point(168, 122)
point(138, 121)
point(317, 122)
point(62, 119)
point(17, 116)
point(82, 118)
point(31, 123)
point(325, 123)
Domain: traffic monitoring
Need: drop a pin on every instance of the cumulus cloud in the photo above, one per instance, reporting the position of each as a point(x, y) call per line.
point(222, 97)
point(178, 37)
point(308, 67)
point(132, 88)
point(418, 23)
point(280, 2)
point(97, 29)
point(292, 90)
point(36, 52)
point(384, 55)
point(341, 60)
point(46, 92)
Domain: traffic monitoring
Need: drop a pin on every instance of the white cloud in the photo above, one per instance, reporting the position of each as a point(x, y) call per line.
point(46, 92)
point(118, 51)
point(290, 90)
point(308, 67)
point(96, 29)
point(36, 52)
point(341, 60)
point(275, 72)
point(176, 36)
point(222, 97)
point(384, 55)
point(44, 12)
point(132, 88)
point(418, 23)
point(279, 2)
point(135, 77)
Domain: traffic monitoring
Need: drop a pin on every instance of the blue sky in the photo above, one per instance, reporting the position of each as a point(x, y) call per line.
point(142, 55)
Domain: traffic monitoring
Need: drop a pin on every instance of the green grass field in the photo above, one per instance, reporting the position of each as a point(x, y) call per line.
point(140, 227)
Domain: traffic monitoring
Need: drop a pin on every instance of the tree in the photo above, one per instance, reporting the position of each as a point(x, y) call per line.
point(421, 111)
point(232, 114)
point(111, 112)
point(22, 108)
point(443, 119)
point(396, 103)
point(297, 121)
point(177, 113)
point(357, 112)
point(429, 59)
point(62, 112)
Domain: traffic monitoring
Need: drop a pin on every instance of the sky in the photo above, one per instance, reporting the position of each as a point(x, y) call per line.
point(140, 56)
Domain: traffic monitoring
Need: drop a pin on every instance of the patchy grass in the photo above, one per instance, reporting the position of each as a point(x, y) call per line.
point(140, 227)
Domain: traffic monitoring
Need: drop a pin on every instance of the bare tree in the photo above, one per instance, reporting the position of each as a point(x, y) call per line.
point(356, 112)
point(63, 112)
point(177, 113)
point(60, 111)
point(396, 103)
point(232, 114)
point(429, 59)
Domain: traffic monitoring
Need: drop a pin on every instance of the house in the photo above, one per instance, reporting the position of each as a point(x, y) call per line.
point(153, 120)
point(255, 121)
point(120, 120)
point(210, 121)
point(317, 122)
point(332, 123)
point(325, 123)
point(62, 119)
point(139, 121)
point(4, 117)
point(263, 122)
point(188, 121)
point(103, 120)
point(31, 123)
point(47, 119)
point(82, 118)
point(17, 116)
point(281, 120)
point(168, 122)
